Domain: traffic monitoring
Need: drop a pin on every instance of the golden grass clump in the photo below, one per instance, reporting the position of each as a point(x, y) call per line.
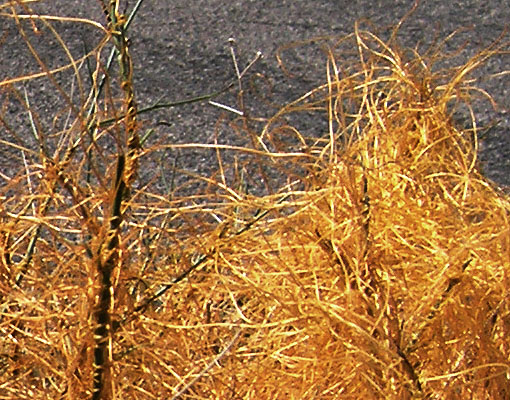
point(390, 277)
point(380, 271)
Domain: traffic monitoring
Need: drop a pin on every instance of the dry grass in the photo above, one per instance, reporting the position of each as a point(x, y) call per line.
point(383, 272)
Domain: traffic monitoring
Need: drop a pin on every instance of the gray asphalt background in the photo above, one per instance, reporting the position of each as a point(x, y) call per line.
point(180, 49)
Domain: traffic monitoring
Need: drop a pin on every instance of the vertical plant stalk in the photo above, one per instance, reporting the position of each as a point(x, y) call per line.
point(108, 253)
point(118, 30)
point(106, 261)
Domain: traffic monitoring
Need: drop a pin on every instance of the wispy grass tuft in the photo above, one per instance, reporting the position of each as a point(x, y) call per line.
point(379, 268)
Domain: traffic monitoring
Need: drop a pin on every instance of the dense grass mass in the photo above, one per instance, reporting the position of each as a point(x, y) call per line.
point(380, 269)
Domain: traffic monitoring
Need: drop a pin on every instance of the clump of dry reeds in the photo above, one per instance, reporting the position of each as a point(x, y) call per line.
point(389, 278)
point(382, 273)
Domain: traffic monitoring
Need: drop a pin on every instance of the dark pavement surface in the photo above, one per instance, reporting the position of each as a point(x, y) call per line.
point(180, 49)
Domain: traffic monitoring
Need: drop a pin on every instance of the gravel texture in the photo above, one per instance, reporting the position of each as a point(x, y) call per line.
point(181, 49)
